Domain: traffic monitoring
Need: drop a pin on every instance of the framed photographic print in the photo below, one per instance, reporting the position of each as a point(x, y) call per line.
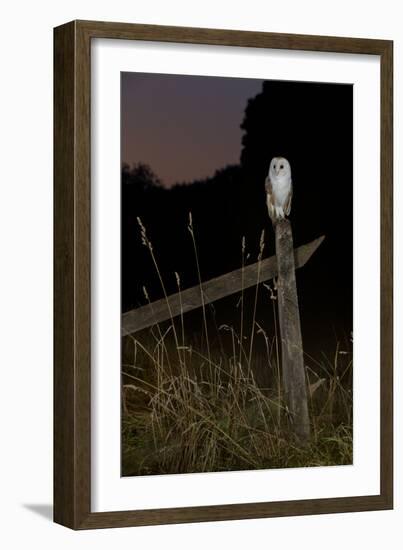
point(223, 275)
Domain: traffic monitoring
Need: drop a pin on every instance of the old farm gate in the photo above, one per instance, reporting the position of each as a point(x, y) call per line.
point(282, 266)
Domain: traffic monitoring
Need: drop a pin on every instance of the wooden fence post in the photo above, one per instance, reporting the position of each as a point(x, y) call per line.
point(293, 371)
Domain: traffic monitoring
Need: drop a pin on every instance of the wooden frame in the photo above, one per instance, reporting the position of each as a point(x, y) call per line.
point(72, 325)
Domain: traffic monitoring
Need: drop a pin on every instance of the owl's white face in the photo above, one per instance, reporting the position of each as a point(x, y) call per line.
point(280, 169)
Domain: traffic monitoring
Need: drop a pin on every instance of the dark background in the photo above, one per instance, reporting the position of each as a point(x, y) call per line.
point(308, 123)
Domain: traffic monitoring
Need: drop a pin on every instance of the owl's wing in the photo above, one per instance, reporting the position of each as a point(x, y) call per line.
point(270, 198)
point(287, 204)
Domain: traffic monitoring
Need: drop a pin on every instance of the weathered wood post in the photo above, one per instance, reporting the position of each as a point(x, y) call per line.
point(293, 371)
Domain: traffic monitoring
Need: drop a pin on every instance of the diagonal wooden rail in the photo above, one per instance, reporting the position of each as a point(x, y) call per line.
point(214, 289)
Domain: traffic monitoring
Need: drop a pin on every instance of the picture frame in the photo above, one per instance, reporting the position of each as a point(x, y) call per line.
point(72, 274)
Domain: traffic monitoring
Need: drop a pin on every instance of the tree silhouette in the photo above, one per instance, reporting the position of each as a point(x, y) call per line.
point(140, 175)
point(311, 125)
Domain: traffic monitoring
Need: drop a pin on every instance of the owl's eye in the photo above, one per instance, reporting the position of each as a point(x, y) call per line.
point(281, 166)
point(274, 166)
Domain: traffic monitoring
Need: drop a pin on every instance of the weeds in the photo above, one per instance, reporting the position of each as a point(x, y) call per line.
point(188, 409)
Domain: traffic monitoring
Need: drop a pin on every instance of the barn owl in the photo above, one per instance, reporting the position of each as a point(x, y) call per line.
point(279, 189)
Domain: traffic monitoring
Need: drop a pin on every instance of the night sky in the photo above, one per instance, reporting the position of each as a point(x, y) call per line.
point(183, 127)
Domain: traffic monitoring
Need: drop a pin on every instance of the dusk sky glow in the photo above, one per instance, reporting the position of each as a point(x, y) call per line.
point(183, 127)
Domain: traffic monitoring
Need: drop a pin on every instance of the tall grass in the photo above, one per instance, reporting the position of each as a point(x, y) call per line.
point(188, 408)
